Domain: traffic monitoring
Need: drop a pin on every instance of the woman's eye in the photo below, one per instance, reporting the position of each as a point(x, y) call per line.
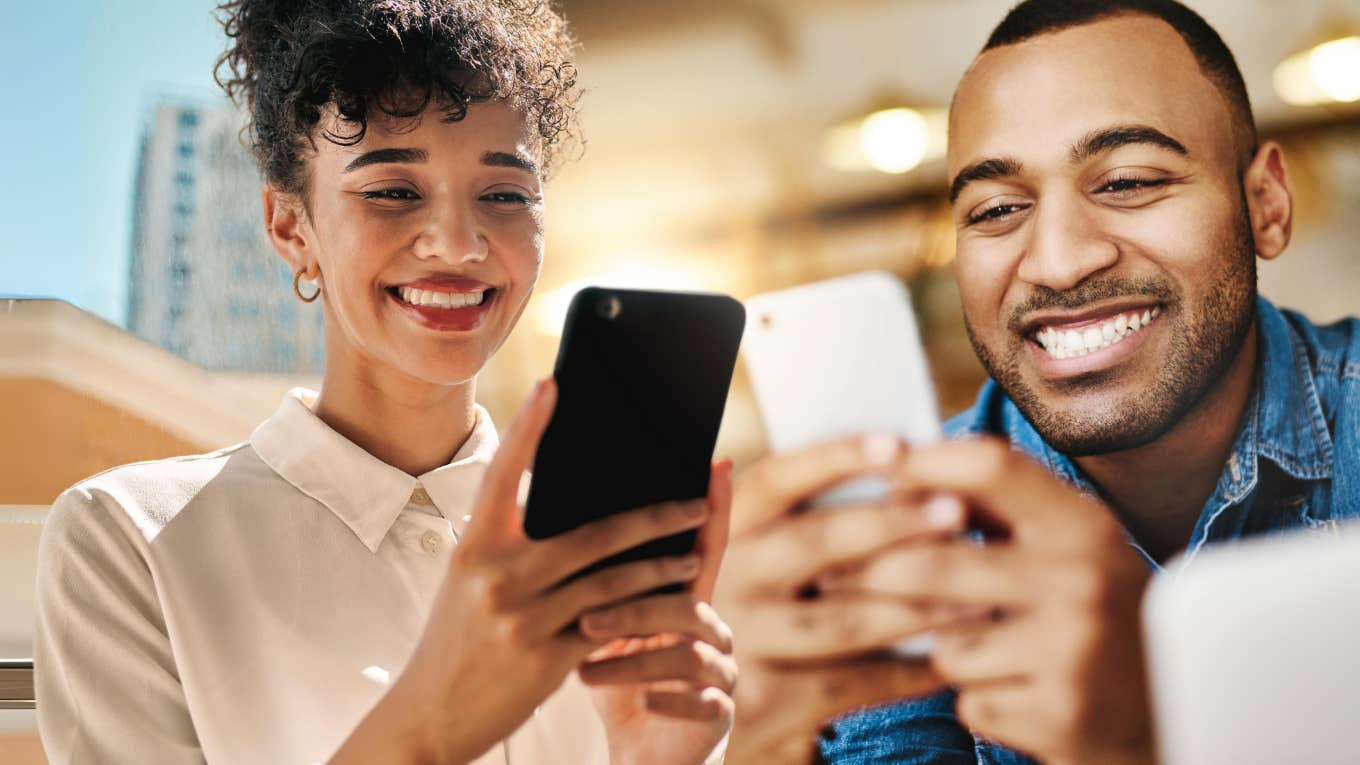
point(996, 212)
point(394, 194)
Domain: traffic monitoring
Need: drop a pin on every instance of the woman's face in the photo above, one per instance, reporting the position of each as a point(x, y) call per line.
point(429, 240)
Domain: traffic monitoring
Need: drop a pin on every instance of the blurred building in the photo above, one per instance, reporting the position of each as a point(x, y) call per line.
point(205, 284)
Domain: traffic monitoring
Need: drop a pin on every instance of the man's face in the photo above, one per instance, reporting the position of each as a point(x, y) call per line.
point(1104, 250)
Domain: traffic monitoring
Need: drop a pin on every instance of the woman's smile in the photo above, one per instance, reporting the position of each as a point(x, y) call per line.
point(444, 303)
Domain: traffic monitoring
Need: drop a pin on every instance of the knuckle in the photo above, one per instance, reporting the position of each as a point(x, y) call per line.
point(494, 589)
point(693, 658)
point(612, 583)
point(992, 460)
point(607, 534)
point(514, 630)
point(930, 561)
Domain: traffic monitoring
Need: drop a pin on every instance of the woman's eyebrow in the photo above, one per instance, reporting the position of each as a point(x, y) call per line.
point(505, 159)
point(384, 156)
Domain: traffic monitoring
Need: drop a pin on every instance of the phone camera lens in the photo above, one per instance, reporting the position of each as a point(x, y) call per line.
point(610, 307)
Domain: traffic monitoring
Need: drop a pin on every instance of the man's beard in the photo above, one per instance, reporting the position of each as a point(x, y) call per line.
point(1202, 347)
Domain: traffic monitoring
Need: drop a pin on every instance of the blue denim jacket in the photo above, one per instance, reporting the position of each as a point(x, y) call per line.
point(1295, 464)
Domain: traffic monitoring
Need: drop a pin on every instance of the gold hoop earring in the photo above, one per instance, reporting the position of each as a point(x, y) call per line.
point(297, 277)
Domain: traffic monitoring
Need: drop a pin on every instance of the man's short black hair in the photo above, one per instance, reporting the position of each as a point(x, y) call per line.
point(1037, 17)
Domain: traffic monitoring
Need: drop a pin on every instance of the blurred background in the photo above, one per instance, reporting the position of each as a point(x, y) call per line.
point(732, 145)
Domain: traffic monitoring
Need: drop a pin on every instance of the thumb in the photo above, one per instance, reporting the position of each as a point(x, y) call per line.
point(497, 513)
point(712, 540)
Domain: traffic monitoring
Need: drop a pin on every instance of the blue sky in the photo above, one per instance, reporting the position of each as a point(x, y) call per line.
point(80, 80)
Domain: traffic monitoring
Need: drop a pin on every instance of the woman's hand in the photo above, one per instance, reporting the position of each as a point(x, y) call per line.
point(499, 639)
point(664, 684)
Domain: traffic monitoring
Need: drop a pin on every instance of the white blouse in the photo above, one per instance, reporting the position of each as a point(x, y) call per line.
point(251, 605)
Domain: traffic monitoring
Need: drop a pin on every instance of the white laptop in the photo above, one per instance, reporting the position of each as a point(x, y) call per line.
point(1254, 651)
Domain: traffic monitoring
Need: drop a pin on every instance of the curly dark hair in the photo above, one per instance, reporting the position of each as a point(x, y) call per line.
point(288, 59)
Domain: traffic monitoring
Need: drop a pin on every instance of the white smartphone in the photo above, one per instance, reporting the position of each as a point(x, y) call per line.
point(837, 358)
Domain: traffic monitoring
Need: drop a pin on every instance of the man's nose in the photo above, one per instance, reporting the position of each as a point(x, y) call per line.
point(1066, 246)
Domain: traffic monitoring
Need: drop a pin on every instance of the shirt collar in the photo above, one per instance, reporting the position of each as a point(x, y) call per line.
point(364, 492)
point(1283, 421)
point(1289, 424)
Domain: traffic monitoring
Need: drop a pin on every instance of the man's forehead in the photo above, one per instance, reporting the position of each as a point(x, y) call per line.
point(1039, 96)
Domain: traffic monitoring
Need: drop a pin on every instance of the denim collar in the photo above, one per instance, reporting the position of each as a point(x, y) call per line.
point(1291, 430)
point(1283, 423)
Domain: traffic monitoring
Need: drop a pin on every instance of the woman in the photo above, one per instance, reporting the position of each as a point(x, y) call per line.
point(352, 582)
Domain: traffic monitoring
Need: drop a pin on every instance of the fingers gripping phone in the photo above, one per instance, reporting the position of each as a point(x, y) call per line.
point(642, 382)
point(837, 358)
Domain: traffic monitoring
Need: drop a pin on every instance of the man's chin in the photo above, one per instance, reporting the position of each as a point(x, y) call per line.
point(1092, 416)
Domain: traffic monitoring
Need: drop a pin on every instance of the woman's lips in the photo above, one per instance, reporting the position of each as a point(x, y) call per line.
point(457, 317)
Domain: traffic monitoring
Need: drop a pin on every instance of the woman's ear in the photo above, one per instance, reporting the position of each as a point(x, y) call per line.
point(1270, 200)
point(285, 223)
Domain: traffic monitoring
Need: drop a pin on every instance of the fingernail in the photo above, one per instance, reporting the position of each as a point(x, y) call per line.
point(880, 448)
point(942, 510)
point(695, 510)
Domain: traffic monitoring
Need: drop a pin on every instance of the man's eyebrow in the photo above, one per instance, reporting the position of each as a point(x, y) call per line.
point(379, 156)
point(987, 169)
point(504, 159)
point(1109, 139)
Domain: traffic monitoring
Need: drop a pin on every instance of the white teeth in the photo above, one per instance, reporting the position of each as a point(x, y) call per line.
point(441, 299)
point(1066, 344)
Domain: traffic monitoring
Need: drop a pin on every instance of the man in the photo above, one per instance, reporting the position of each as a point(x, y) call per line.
point(1110, 198)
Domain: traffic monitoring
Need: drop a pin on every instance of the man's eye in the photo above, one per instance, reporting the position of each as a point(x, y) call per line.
point(996, 212)
point(395, 193)
point(1129, 185)
point(508, 197)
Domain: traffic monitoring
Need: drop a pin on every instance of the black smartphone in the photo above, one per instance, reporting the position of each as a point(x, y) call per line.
point(642, 380)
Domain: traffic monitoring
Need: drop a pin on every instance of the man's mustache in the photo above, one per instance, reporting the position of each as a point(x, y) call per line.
point(1088, 292)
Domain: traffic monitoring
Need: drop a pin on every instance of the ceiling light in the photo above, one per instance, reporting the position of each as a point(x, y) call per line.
point(1325, 73)
point(891, 140)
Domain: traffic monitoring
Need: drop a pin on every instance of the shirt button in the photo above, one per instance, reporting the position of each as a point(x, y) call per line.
point(430, 541)
point(420, 496)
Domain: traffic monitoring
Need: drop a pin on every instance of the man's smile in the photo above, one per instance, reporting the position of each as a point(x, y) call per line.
point(1075, 344)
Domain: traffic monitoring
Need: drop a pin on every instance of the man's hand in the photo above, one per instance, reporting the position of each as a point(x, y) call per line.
point(808, 656)
point(1056, 670)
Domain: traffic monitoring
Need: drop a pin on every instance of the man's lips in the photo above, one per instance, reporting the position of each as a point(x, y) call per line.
point(1073, 344)
point(1087, 316)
